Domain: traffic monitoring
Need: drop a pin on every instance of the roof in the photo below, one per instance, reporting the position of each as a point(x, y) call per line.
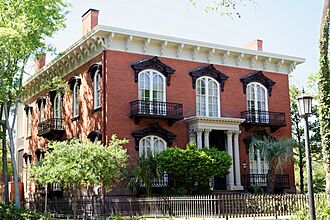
point(120, 39)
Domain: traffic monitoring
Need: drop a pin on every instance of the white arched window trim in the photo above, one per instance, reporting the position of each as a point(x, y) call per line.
point(41, 113)
point(58, 106)
point(97, 89)
point(75, 103)
point(254, 86)
point(152, 144)
point(142, 85)
point(258, 165)
point(199, 103)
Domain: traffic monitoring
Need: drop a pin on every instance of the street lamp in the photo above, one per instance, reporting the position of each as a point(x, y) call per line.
point(244, 166)
point(304, 103)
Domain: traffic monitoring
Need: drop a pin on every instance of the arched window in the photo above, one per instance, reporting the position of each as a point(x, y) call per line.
point(257, 103)
point(258, 165)
point(75, 103)
point(58, 106)
point(152, 93)
point(151, 86)
point(151, 144)
point(207, 97)
point(97, 89)
point(41, 113)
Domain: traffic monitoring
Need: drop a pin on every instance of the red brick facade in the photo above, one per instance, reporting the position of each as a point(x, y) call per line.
point(119, 89)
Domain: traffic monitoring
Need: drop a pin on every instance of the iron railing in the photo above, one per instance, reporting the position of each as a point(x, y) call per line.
point(266, 118)
point(52, 124)
point(220, 206)
point(161, 181)
point(281, 180)
point(157, 109)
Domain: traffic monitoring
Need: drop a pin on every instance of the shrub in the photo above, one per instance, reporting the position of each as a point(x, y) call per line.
point(12, 212)
point(193, 168)
point(322, 211)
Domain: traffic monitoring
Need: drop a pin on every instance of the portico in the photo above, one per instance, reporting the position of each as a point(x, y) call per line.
point(199, 132)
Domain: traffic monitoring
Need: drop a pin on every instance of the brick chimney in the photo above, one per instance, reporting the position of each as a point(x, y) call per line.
point(39, 63)
point(254, 45)
point(89, 20)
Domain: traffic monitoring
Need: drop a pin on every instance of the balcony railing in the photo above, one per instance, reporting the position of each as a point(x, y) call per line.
point(51, 128)
point(154, 109)
point(162, 181)
point(281, 180)
point(263, 118)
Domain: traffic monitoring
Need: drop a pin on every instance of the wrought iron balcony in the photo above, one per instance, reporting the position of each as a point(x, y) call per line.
point(281, 180)
point(51, 129)
point(274, 120)
point(162, 181)
point(153, 109)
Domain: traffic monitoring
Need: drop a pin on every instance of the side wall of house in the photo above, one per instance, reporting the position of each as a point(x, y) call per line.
point(87, 121)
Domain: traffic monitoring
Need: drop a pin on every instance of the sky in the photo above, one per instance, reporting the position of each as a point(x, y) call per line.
point(289, 27)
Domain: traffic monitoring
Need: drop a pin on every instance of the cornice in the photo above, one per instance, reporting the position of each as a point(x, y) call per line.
point(119, 39)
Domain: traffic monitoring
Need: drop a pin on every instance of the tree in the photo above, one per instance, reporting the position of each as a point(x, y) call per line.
point(324, 90)
point(193, 168)
point(24, 25)
point(297, 132)
point(278, 153)
point(77, 165)
point(224, 7)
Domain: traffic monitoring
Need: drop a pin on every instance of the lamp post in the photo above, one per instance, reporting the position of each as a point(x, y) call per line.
point(304, 103)
point(244, 166)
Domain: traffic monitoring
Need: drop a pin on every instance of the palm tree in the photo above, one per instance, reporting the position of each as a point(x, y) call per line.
point(278, 153)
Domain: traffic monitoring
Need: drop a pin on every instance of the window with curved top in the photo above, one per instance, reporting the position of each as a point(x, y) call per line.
point(75, 103)
point(150, 145)
point(152, 94)
point(207, 97)
point(58, 106)
point(257, 103)
point(97, 89)
point(57, 111)
point(259, 167)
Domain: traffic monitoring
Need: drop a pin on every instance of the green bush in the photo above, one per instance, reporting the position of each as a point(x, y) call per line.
point(322, 211)
point(12, 212)
point(193, 168)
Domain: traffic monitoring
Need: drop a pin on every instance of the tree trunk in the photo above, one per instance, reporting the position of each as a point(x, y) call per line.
point(13, 163)
point(4, 166)
point(301, 167)
point(10, 132)
point(4, 156)
point(324, 91)
point(271, 181)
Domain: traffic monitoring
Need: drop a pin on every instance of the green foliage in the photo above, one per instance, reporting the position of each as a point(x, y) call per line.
point(322, 211)
point(193, 168)
point(11, 212)
point(278, 153)
point(57, 84)
point(224, 7)
point(324, 90)
point(81, 164)
point(145, 172)
point(9, 166)
point(318, 177)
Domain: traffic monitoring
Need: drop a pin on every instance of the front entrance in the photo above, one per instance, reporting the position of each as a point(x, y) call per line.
point(218, 140)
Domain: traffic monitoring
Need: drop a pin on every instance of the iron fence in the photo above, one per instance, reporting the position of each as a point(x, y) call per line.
point(207, 206)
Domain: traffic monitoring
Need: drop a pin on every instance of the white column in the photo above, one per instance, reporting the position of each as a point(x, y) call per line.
point(237, 162)
point(192, 136)
point(207, 138)
point(199, 139)
point(230, 176)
